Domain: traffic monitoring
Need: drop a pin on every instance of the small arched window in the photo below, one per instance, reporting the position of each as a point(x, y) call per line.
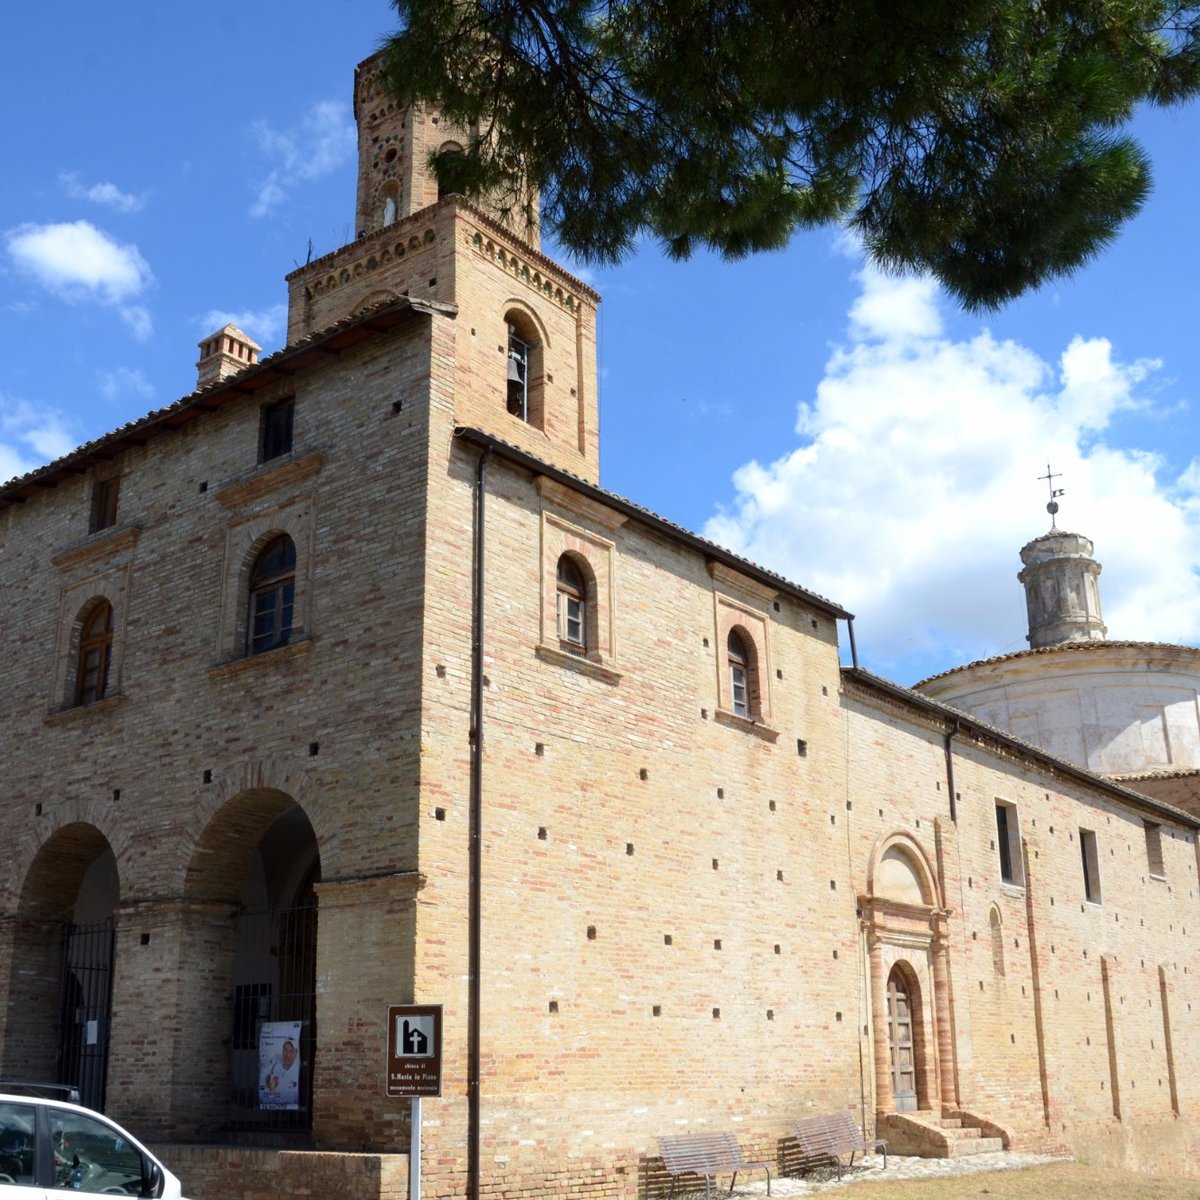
point(446, 151)
point(95, 654)
point(272, 596)
point(572, 606)
point(739, 674)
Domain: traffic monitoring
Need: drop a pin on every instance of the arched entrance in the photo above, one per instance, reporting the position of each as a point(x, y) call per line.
point(254, 1006)
point(904, 1026)
point(905, 928)
point(63, 948)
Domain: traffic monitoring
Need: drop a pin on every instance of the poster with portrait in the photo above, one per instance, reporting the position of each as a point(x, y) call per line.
point(279, 1064)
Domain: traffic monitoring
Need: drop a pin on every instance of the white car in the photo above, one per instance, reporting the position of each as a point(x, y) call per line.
point(56, 1146)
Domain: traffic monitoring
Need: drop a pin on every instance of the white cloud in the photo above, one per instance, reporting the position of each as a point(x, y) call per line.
point(265, 325)
point(914, 485)
point(324, 140)
point(30, 437)
point(107, 194)
point(76, 261)
point(125, 381)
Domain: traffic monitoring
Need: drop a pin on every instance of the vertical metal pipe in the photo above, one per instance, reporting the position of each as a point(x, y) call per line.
point(950, 775)
point(853, 644)
point(475, 899)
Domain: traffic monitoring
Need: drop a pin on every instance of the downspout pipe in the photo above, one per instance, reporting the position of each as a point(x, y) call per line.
point(475, 898)
point(950, 772)
point(853, 643)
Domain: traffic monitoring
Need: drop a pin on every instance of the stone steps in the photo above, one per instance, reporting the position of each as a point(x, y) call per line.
point(924, 1134)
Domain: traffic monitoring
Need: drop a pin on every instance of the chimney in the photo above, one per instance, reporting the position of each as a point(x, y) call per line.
point(225, 353)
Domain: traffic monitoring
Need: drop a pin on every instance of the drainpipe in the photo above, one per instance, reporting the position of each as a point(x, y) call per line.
point(853, 644)
point(950, 772)
point(475, 899)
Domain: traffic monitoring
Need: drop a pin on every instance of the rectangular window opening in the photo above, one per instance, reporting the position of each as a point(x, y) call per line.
point(1091, 865)
point(1008, 843)
point(104, 503)
point(1154, 854)
point(275, 436)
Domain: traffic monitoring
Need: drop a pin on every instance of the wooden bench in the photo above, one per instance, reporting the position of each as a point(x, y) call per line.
point(822, 1139)
point(707, 1154)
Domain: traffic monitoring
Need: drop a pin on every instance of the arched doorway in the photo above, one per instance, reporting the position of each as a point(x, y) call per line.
point(905, 928)
point(904, 1026)
point(63, 950)
point(254, 1006)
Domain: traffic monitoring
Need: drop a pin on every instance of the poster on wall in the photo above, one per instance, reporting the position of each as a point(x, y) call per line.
point(279, 1064)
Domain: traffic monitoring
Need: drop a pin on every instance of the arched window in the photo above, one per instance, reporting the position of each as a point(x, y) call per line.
point(272, 596)
point(525, 372)
point(445, 151)
point(95, 654)
point(740, 675)
point(572, 606)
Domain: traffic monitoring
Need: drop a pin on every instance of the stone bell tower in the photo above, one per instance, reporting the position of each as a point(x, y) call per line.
point(523, 366)
point(394, 146)
point(1062, 590)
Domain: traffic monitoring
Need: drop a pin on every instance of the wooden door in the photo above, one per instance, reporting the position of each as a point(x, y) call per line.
point(900, 1042)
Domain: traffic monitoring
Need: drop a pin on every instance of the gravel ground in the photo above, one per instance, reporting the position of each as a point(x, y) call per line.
point(899, 1166)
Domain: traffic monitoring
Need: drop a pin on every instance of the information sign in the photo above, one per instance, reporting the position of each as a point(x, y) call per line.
point(414, 1050)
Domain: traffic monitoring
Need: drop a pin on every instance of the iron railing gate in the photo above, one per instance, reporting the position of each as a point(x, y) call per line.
point(275, 975)
point(85, 1005)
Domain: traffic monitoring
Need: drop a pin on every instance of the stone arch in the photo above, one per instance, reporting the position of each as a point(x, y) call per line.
point(530, 315)
point(373, 299)
point(899, 863)
point(249, 938)
point(61, 946)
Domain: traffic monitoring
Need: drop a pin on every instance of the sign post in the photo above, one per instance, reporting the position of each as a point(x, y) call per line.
point(414, 1069)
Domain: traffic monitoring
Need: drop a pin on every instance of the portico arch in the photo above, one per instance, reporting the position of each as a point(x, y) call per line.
point(905, 925)
point(61, 947)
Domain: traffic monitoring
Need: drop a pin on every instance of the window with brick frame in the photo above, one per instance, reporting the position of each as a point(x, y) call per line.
point(275, 429)
point(571, 606)
point(272, 596)
point(1008, 844)
point(94, 660)
point(740, 666)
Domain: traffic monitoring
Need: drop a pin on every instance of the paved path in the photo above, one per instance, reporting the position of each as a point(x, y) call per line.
point(900, 1166)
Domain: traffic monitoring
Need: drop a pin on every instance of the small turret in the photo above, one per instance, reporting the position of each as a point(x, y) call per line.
point(1062, 592)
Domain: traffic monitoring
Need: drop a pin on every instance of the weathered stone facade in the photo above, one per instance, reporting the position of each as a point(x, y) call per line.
point(704, 873)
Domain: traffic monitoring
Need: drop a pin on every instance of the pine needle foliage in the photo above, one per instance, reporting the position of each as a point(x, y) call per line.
point(981, 140)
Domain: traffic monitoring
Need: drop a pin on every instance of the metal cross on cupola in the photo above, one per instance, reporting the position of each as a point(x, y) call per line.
point(1052, 508)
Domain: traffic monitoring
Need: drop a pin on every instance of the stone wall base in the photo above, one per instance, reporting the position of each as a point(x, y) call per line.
point(252, 1173)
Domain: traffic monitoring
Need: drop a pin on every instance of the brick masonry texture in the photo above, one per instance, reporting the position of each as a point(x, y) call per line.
point(689, 916)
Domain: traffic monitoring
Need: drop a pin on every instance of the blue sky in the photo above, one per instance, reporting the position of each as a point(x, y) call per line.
point(166, 166)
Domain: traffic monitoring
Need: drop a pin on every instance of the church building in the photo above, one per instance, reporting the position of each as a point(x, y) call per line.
point(341, 683)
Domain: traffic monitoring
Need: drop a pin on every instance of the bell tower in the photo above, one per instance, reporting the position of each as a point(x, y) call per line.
point(524, 360)
point(394, 147)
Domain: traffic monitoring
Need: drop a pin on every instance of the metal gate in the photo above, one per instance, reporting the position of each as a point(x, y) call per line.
point(275, 974)
point(85, 1007)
